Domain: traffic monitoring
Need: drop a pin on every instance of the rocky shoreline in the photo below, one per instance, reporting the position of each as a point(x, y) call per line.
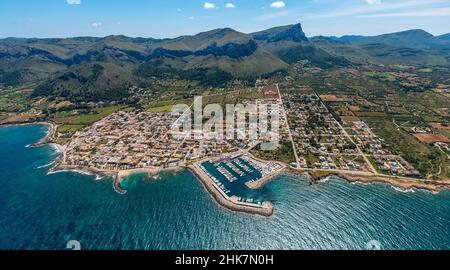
point(403, 183)
point(265, 210)
point(314, 177)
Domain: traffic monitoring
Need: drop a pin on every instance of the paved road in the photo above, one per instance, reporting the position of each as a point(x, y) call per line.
point(288, 127)
point(350, 138)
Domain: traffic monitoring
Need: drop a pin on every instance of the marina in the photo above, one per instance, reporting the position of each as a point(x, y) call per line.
point(161, 201)
point(233, 176)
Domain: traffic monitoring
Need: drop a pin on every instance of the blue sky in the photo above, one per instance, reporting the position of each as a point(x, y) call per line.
point(171, 18)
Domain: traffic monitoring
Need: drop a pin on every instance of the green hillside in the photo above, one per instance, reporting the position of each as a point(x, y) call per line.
point(89, 82)
point(88, 68)
point(382, 53)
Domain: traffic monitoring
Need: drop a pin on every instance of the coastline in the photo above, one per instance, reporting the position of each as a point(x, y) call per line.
point(265, 180)
point(402, 183)
point(267, 209)
point(47, 139)
point(119, 176)
point(50, 136)
point(268, 178)
point(230, 203)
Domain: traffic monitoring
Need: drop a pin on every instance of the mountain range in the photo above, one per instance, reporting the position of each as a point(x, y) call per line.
point(412, 47)
point(104, 68)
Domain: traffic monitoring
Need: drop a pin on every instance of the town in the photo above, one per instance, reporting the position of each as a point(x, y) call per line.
point(321, 142)
point(230, 167)
point(141, 139)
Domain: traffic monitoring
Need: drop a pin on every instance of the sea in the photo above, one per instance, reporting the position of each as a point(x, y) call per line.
point(41, 211)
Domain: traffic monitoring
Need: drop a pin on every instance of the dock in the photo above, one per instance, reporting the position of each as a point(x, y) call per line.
point(232, 203)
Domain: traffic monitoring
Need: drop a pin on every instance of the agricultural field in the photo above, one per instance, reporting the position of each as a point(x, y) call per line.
point(393, 111)
point(16, 99)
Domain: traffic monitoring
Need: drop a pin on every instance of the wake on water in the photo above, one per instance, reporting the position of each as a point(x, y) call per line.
point(97, 177)
point(46, 165)
point(409, 190)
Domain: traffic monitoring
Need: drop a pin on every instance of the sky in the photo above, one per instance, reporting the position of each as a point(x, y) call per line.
point(172, 18)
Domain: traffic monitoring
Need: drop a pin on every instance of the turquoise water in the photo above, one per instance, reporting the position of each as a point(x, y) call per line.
point(39, 211)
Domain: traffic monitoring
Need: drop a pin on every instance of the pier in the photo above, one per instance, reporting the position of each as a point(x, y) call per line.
point(231, 202)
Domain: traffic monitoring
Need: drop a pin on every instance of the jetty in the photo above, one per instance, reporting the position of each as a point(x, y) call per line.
point(230, 202)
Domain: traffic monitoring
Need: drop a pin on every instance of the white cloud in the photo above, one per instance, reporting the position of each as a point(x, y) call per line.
point(96, 24)
point(191, 18)
point(278, 4)
point(378, 9)
point(423, 13)
point(74, 2)
point(229, 5)
point(208, 5)
point(274, 15)
point(373, 2)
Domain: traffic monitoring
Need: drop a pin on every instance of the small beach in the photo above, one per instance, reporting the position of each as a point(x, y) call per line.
point(233, 202)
